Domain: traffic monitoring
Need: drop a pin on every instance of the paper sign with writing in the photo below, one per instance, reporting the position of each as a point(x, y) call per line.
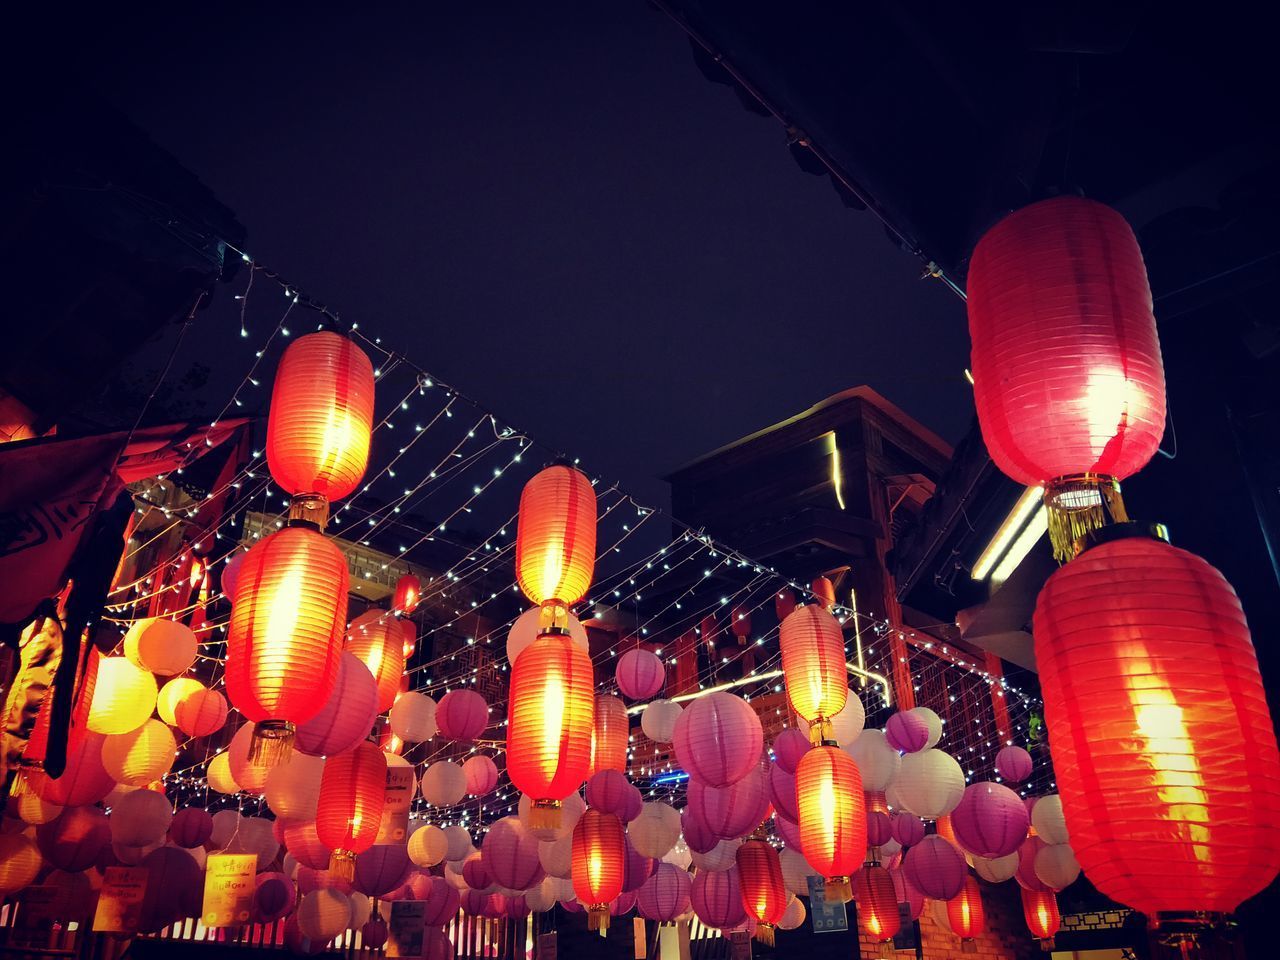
point(740, 945)
point(394, 827)
point(827, 917)
point(228, 889)
point(407, 928)
point(547, 946)
point(120, 902)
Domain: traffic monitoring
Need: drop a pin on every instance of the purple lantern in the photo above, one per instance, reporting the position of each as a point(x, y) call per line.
point(1013, 764)
point(665, 895)
point(990, 821)
point(717, 898)
point(698, 836)
point(787, 830)
point(718, 739)
point(373, 934)
point(622, 904)
point(609, 791)
point(511, 854)
point(442, 902)
point(640, 674)
point(190, 827)
point(735, 810)
point(788, 747)
point(381, 869)
point(907, 731)
point(879, 828)
point(517, 908)
point(782, 792)
point(476, 873)
point(1026, 875)
point(907, 829)
point(936, 868)
point(462, 715)
point(906, 893)
point(273, 897)
point(634, 804)
point(637, 869)
point(475, 903)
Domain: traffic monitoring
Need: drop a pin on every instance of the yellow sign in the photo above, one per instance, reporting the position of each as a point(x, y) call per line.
point(394, 827)
point(120, 902)
point(228, 889)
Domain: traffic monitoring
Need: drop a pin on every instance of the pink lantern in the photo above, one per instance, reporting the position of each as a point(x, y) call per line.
point(718, 739)
point(936, 868)
point(436, 945)
point(1013, 764)
point(481, 773)
point(302, 841)
point(175, 887)
point(622, 904)
point(462, 715)
point(782, 792)
point(907, 829)
point(474, 902)
point(609, 791)
point(907, 731)
point(906, 893)
point(231, 573)
point(346, 717)
point(788, 747)
point(477, 875)
point(788, 831)
point(698, 836)
point(517, 908)
point(879, 828)
point(497, 906)
point(717, 898)
point(1026, 875)
point(636, 869)
point(442, 902)
point(511, 853)
point(665, 895)
point(634, 804)
point(640, 674)
point(990, 821)
point(191, 827)
point(273, 897)
point(381, 869)
point(735, 810)
point(374, 933)
point(75, 839)
point(416, 887)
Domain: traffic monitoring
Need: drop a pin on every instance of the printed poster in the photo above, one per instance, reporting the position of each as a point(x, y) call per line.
point(825, 917)
point(120, 902)
point(407, 928)
point(394, 827)
point(229, 882)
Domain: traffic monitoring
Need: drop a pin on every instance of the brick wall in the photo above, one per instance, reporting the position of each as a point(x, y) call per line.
point(1006, 936)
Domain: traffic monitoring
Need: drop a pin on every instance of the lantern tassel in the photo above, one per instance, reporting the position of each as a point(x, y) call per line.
point(272, 744)
point(1077, 505)
point(342, 865)
point(544, 815)
point(598, 917)
point(764, 933)
point(838, 890)
point(19, 787)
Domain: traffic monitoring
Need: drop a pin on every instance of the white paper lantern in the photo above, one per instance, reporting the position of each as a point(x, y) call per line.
point(658, 720)
point(846, 726)
point(1056, 866)
point(219, 775)
point(293, 788)
point(997, 869)
point(933, 722)
point(164, 647)
point(459, 843)
point(141, 817)
point(877, 761)
point(1049, 821)
point(794, 915)
point(140, 756)
point(444, 783)
point(556, 856)
point(541, 897)
point(656, 830)
point(413, 717)
point(680, 855)
point(719, 858)
point(525, 630)
point(323, 914)
point(428, 845)
point(361, 910)
point(929, 784)
point(795, 871)
point(254, 835)
point(225, 823)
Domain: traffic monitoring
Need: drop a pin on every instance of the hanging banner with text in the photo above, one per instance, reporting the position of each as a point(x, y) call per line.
point(228, 889)
point(394, 827)
point(827, 917)
point(120, 901)
point(407, 928)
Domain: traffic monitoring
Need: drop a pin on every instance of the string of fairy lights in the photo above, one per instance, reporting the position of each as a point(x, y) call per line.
point(663, 593)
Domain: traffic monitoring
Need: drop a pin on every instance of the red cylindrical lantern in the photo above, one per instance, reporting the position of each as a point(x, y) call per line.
point(764, 895)
point(407, 596)
point(353, 790)
point(824, 592)
point(877, 900)
point(610, 734)
point(1067, 374)
point(599, 861)
point(814, 667)
point(556, 539)
point(285, 637)
point(1162, 741)
point(549, 724)
point(377, 641)
point(740, 623)
point(321, 421)
point(31, 763)
point(965, 913)
point(833, 817)
point(1040, 909)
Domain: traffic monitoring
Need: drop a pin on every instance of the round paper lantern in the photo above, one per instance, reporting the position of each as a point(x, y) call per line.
point(190, 827)
point(323, 914)
point(640, 673)
point(1013, 764)
point(200, 712)
point(965, 913)
point(782, 792)
point(231, 575)
point(996, 870)
point(877, 903)
point(511, 854)
point(442, 903)
point(408, 594)
point(990, 820)
point(833, 821)
point(878, 762)
point(718, 739)
point(481, 774)
point(788, 747)
point(123, 697)
point(526, 629)
point(550, 720)
point(656, 830)
point(935, 867)
point(609, 792)
point(930, 783)
point(699, 837)
point(174, 886)
point(599, 861)
point(274, 895)
point(556, 856)
point(665, 895)
point(304, 844)
point(251, 777)
point(610, 734)
point(141, 756)
point(814, 668)
point(436, 945)
point(443, 783)
point(428, 845)
point(171, 694)
point(1049, 820)
point(1145, 653)
point(1040, 910)
point(908, 731)
point(1067, 375)
point(74, 841)
point(293, 789)
point(321, 419)
point(163, 647)
point(376, 640)
point(284, 642)
point(1026, 872)
point(381, 869)
point(658, 721)
point(907, 829)
point(906, 893)
point(349, 811)
point(637, 869)
point(413, 717)
point(722, 856)
point(462, 715)
point(32, 809)
point(219, 775)
point(542, 897)
point(347, 715)
point(735, 810)
point(679, 855)
point(140, 817)
point(795, 871)
point(556, 536)
point(879, 829)
point(794, 916)
point(764, 898)
point(254, 835)
point(1056, 866)
point(846, 725)
point(716, 898)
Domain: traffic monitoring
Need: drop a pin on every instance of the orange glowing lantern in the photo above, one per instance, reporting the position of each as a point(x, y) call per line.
point(285, 637)
point(550, 712)
point(599, 863)
point(376, 638)
point(407, 596)
point(833, 816)
point(824, 592)
point(764, 895)
point(321, 421)
point(813, 665)
point(1040, 909)
point(556, 541)
point(353, 790)
point(610, 734)
point(965, 913)
point(877, 900)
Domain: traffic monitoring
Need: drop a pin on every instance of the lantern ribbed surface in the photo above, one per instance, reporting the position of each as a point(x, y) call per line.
point(877, 900)
point(965, 912)
point(718, 739)
point(599, 856)
point(813, 664)
point(665, 895)
point(352, 794)
point(321, 416)
point(556, 536)
point(376, 640)
point(1066, 361)
point(833, 816)
point(764, 896)
point(716, 898)
point(1162, 741)
point(609, 737)
point(285, 637)
point(550, 718)
point(1040, 910)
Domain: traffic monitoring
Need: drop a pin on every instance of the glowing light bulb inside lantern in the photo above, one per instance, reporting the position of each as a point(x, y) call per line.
point(1178, 779)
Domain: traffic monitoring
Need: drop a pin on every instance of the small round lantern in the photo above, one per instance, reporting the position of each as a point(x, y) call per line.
point(640, 673)
point(718, 739)
point(461, 715)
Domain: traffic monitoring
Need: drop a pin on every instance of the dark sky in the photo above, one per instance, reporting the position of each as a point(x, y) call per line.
point(551, 208)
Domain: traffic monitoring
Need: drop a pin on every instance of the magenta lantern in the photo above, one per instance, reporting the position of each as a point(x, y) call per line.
point(1026, 875)
point(788, 747)
point(462, 715)
point(273, 897)
point(782, 792)
point(442, 902)
point(381, 869)
point(75, 839)
point(990, 821)
point(634, 804)
point(936, 868)
point(717, 898)
point(665, 895)
point(698, 836)
point(640, 674)
point(346, 717)
point(481, 773)
point(735, 810)
point(718, 739)
point(906, 893)
point(511, 853)
point(609, 791)
point(373, 934)
point(788, 831)
point(907, 732)
point(907, 829)
point(474, 902)
point(879, 828)
point(517, 908)
point(436, 945)
point(477, 875)
point(1013, 764)
point(636, 869)
point(623, 903)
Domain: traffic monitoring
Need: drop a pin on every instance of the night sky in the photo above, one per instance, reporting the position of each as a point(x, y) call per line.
point(552, 209)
